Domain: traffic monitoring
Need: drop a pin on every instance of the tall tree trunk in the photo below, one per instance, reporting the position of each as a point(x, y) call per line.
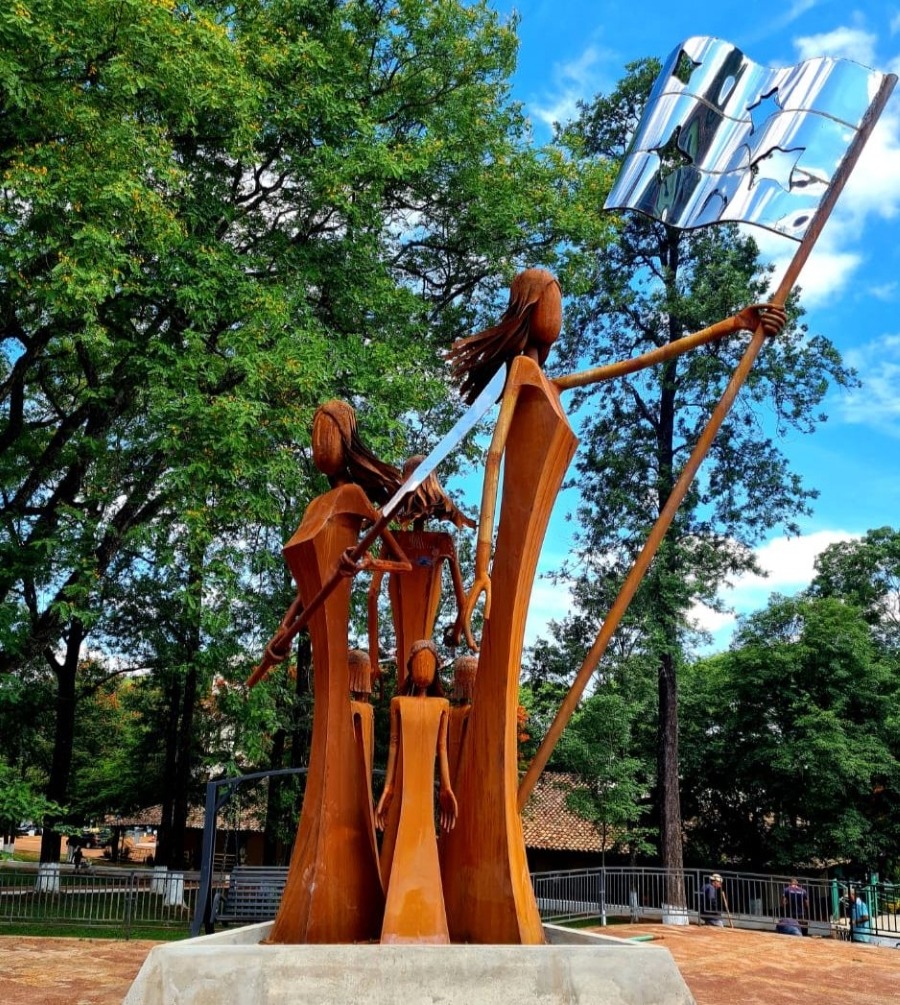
point(670, 840)
point(172, 703)
point(182, 776)
point(668, 790)
point(190, 653)
point(64, 736)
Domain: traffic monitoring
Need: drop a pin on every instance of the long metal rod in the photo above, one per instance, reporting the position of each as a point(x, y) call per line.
point(664, 521)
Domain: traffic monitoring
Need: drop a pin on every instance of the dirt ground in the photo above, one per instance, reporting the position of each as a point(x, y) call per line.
point(725, 966)
point(138, 853)
point(721, 967)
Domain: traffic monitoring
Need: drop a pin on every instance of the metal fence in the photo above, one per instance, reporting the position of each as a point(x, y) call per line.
point(125, 901)
point(749, 901)
point(134, 901)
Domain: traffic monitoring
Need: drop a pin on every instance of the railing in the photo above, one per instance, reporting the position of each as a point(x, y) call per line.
point(125, 901)
point(749, 901)
point(135, 901)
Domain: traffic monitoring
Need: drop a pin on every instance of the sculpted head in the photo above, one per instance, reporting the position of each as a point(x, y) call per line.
point(340, 454)
point(422, 665)
point(464, 670)
point(529, 326)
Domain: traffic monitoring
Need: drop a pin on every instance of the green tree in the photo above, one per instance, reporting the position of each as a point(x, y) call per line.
point(612, 784)
point(20, 801)
point(655, 285)
point(215, 216)
point(791, 752)
point(866, 573)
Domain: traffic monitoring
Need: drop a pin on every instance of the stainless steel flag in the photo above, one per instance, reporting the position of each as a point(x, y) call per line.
point(725, 139)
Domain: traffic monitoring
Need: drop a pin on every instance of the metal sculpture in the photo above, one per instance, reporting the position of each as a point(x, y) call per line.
point(720, 137)
point(414, 908)
point(415, 595)
point(333, 891)
point(486, 880)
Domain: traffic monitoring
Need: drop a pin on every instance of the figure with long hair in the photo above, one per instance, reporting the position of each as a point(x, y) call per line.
point(333, 891)
point(487, 887)
point(415, 595)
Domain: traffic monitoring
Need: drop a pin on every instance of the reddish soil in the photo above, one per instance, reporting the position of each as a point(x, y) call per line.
point(721, 967)
point(729, 966)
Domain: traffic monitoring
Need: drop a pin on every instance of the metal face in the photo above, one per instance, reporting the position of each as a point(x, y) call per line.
point(723, 138)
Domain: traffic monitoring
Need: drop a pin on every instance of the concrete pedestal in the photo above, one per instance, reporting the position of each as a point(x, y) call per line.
point(232, 967)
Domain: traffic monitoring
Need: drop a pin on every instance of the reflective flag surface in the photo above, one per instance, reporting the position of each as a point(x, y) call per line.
point(725, 139)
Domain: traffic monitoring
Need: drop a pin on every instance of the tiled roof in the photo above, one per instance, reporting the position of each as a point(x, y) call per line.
point(151, 816)
point(548, 823)
point(546, 820)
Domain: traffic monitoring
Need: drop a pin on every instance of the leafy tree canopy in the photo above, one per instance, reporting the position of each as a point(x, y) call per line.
point(790, 741)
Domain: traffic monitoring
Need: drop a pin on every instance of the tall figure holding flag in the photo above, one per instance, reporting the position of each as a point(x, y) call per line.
point(721, 138)
point(486, 881)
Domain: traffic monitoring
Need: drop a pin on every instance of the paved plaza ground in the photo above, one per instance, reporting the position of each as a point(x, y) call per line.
point(721, 967)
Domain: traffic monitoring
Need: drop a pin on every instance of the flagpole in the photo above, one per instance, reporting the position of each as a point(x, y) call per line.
point(664, 521)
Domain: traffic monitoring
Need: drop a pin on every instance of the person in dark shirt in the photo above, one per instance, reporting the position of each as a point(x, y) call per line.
point(795, 906)
point(711, 902)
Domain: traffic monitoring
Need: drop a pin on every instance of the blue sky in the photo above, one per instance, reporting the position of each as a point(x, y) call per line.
point(573, 49)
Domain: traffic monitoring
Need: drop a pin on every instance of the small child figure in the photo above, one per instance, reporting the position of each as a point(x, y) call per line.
point(410, 869)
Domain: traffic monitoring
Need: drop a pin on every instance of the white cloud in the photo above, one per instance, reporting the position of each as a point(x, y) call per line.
point(895, 24)
point(884, 291)
point(579, 79)
point(790, 565)
point(846, 43)
point(549, 602)
point(877, 402)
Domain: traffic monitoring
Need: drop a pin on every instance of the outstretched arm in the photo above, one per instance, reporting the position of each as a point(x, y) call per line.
point(279, 646)
point(771, 316)
point(461, 626)
point(399, 562)
point(482, 582)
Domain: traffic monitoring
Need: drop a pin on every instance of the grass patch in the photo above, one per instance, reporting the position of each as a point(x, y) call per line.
point(594, 922)
point(50, 931)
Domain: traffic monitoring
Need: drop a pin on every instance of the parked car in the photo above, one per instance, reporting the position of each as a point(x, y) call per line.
point(28, 828)
point(94, 838)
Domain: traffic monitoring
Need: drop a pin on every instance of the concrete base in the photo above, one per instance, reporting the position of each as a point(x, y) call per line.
point(575, 966)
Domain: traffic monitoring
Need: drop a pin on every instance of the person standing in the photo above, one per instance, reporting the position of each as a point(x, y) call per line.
point(795, 906)
point(859, 918)
point(711, 898)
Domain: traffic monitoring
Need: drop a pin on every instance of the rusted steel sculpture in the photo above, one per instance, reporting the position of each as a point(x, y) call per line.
point(414, 908)
point(363, 718)
point(416, 594)
point(486, 880)
point(333, 891)
point(474, 886)
point(464, 670)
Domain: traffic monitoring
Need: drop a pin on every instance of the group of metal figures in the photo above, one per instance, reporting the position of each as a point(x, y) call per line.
point(456, 872)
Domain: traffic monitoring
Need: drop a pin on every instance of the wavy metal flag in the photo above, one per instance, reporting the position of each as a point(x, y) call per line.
point(722, 138)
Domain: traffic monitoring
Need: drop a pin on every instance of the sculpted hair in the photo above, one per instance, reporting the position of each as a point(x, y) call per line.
point(430, 501)
point(476, 358)
point(378, 479)
point(435, 688)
